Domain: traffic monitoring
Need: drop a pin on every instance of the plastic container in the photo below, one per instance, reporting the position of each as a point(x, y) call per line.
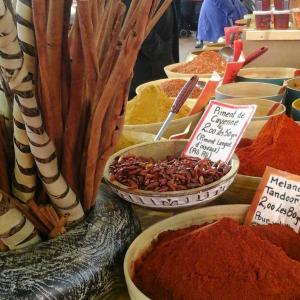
point(281, 4)
point(262, 19)
point(281, 19)
point(296, 17)
point(263, 5)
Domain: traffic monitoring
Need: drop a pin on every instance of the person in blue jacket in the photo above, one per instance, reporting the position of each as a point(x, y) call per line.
point(217, 14)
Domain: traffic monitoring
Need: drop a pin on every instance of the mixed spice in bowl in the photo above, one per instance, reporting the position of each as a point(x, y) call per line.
point(172, 86)
point(203, 64)
point(155, 175)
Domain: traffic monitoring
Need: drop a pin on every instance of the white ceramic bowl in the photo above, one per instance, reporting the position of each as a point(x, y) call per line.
point(195, 217)
point(263, 107)
point(249, 90)
point(272, 75)
point(159, 81)
point(168, 200)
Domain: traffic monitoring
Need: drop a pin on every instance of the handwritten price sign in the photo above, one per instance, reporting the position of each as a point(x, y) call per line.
point(219, 131)
point(277, 200)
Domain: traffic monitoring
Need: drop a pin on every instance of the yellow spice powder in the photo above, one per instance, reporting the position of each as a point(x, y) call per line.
point(151, 106)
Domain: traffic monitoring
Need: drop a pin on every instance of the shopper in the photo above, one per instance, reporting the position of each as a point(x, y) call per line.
point(158, 50)
point(215, 15)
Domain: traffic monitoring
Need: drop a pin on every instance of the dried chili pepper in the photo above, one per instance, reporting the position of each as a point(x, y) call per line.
point(170, 174)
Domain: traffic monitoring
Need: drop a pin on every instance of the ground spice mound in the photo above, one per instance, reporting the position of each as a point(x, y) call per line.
point(224, 260)
point(172, 88)
point(204, 63)
point(281, 236)
point(151, 106)
point(277, 146)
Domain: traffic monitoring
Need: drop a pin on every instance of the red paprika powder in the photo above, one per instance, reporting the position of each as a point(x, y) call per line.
point(277, 146)
point(222, 261)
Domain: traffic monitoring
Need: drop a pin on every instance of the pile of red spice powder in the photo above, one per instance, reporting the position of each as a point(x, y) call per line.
point(277, 146)
point(222, 261)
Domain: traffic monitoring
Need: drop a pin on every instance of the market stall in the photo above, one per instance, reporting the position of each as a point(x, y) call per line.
point(193, 243)
point(209, 156)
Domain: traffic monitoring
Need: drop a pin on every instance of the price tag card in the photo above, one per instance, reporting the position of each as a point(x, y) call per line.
point(219, 131)
point(277, 200)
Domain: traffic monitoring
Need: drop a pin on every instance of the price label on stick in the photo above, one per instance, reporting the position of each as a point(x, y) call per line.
point(219, 131)
point(277, 200)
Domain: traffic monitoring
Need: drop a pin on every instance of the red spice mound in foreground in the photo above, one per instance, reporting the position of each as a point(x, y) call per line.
point(224, 260)
point(277, 146)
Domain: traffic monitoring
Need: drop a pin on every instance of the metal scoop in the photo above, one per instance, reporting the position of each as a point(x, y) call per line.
point(227, 52)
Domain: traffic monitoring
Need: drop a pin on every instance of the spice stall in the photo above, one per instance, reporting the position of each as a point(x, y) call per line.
point(67, 125)
point(56, 235)
point(216, 250)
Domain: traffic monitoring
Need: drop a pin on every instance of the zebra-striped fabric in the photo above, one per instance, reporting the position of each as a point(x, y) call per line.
point(26, 33)
point(20, 81)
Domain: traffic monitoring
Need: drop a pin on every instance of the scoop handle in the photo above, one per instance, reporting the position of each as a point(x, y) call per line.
point(254, 55)
point(184, 94)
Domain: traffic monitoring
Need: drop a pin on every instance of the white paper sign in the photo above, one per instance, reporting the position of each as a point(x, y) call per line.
point(219, 131)
point(277, 200)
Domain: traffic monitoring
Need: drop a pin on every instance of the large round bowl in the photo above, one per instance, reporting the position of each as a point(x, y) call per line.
point(250, 90)
point(168, 200)
point(176, 126)
point(271, 75)
point(292, 92)
point(263, 107)
point(195, 217)
point(173, 74)
point(160, 81)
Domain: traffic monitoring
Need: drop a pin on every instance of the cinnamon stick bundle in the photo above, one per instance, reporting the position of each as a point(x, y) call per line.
point(69, 108)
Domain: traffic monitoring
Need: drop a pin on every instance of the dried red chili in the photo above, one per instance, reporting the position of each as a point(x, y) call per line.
point(171, 174)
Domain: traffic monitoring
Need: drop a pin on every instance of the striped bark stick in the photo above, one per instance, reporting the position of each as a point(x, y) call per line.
point(4, 177)
point(24, 176)
point(26, 33)
point(42, 148)
point(16, 231)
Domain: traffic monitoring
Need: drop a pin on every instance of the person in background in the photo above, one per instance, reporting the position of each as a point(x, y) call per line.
point(160, 48)
point(217, 14)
